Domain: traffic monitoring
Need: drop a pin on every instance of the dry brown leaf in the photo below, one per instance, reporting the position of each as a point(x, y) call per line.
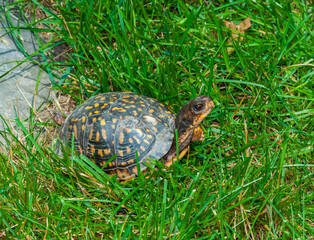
point(237, 30)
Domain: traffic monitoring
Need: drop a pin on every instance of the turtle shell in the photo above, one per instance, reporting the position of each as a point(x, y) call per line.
point(125, 125)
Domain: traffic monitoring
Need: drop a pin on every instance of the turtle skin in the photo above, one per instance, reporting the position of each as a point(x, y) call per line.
point(121, 127)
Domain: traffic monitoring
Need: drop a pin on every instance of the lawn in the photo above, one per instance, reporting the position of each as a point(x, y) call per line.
point(252, 175)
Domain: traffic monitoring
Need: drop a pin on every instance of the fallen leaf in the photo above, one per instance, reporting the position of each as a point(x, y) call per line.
point(237, 30)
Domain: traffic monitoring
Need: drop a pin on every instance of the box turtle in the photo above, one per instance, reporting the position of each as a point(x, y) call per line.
point(130, 127)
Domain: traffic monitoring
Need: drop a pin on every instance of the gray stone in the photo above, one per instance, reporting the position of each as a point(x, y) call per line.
point(18, 84)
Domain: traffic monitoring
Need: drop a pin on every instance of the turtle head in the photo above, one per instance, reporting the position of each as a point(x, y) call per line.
point(187, 123)
point(193, 113)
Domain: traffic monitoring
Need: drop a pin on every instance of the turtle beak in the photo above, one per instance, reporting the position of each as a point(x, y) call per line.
point(210, 103)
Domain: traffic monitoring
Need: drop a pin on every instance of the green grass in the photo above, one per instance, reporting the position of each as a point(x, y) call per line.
point(252, 176)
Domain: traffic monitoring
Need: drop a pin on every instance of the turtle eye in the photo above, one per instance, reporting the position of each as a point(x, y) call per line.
point(198, 107)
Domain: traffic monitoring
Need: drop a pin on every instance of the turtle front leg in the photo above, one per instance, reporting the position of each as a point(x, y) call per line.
point(174, 158)
point(198, 134)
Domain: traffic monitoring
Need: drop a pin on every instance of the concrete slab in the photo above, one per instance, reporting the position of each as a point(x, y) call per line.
point(18, 84)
